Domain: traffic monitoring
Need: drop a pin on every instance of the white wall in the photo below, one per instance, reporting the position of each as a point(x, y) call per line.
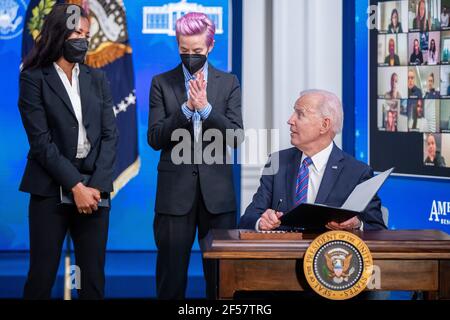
point(288, 46)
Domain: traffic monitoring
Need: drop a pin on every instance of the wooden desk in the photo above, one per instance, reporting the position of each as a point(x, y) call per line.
point(410, 260)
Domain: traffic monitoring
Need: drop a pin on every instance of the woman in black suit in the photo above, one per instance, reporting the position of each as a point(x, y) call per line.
point(67, 112)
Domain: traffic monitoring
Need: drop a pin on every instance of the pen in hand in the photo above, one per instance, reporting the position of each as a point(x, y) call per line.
point(279, 205)
point(270, 219)
point(277, 209)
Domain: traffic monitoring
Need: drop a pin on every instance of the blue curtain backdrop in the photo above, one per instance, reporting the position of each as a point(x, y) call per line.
point(131, 223)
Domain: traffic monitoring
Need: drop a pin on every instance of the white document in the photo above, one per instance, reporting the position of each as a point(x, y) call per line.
point(364, 192)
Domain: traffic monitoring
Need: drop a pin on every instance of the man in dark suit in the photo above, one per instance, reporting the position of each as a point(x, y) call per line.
point(315, 170)
point(191, 99)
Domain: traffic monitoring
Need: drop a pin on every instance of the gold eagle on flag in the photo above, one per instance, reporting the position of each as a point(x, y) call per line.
point(108, 31)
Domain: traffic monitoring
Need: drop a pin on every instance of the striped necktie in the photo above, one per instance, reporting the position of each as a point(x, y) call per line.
point(197, 121)
point(301, 189)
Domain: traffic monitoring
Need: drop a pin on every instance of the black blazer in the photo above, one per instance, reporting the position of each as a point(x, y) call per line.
point(342, 174)
point(52, 130)
point(177, 183)
point(396, 60)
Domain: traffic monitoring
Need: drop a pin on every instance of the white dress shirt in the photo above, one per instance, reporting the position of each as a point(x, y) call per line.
point(73, 91)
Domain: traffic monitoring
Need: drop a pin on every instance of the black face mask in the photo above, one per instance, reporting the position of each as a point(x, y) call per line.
point(74, 50)
point(193, 62)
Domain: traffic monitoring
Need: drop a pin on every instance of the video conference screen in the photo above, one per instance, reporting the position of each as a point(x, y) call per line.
point(409, 113)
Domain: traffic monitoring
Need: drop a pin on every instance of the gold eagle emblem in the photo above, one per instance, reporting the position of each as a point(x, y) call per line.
point(109, 35)
point(338, 267)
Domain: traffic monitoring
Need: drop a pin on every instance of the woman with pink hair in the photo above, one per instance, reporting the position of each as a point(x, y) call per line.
point(192, 195)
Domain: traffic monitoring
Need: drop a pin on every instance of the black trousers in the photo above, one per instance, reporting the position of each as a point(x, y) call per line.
point(174, 236)
point(48, 225)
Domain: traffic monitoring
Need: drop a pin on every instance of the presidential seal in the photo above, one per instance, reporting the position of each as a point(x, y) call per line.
point(338, 265)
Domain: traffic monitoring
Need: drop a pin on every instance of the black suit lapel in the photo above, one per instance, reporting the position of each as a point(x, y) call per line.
point(178, 85)
point(85, 89)
point(291, 177)
point(331, 174)
point(54, 81)
point(213, 84)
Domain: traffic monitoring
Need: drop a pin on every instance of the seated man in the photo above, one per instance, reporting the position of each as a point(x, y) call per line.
point(315, 170)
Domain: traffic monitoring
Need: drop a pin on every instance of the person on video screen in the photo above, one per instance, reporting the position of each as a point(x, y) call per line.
point(433, 156)
point(413, 90)
point(395, 26)
point(448, 87)
point(431, 93)
point(392, 59)
point(391, 121)
point(420, 21)
point(418, 121)
point(444, 18)
point(416, 57)
point(432, 54)
point(393, 93)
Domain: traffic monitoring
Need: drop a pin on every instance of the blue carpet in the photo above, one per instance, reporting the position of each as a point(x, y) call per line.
point(128, 275)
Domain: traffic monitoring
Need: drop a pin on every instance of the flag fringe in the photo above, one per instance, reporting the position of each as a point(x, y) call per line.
point(125, 177)
point(106, 53)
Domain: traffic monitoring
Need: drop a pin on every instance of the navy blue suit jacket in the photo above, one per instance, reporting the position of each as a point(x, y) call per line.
point(52, 129)
point(342, 174)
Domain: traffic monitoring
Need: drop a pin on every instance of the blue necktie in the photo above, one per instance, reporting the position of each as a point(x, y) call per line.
point(301, 188)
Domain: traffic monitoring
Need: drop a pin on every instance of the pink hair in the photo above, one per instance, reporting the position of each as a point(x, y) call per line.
point(195, 23)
